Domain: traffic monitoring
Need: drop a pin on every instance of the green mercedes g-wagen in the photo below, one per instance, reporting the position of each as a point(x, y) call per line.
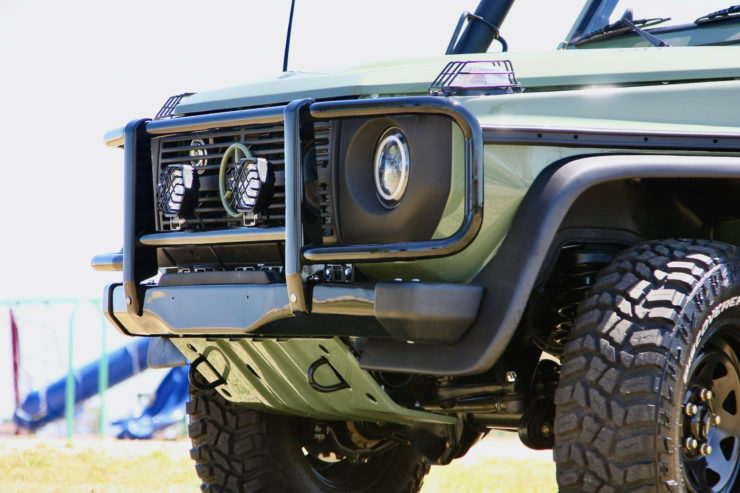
point(368, 270)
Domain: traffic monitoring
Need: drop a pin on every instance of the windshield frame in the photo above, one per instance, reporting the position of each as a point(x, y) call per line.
point(597, 15)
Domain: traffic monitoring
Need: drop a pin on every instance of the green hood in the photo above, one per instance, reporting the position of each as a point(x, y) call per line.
point(535, 71)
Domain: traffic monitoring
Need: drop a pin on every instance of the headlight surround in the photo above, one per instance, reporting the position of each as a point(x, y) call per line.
point(391, 167)
point(177, 190)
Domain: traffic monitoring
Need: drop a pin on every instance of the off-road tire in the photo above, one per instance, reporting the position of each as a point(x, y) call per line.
point(241, 450)
point(657, 326)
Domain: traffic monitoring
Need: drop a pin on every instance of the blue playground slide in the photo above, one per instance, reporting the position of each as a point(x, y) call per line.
point(45, 405)
point(167, 407)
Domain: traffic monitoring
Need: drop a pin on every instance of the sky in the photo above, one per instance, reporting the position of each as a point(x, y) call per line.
point(71, 71)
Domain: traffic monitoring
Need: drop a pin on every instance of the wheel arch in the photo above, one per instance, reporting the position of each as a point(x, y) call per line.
point(540, 227)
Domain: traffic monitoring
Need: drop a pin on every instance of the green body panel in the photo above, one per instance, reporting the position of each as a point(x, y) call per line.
point(535, 71)
point(509, 171)
point(701, 107)
point(705, 108)
point(272, 374)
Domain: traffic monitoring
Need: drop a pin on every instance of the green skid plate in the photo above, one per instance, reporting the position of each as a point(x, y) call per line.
point(271, 375)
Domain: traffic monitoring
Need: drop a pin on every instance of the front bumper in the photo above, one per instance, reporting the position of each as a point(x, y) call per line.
point(405, 311)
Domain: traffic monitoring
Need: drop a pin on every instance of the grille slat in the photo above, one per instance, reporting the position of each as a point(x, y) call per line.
point(265, 141)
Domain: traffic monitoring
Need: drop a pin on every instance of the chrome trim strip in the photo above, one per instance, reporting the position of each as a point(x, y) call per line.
point(221, 236)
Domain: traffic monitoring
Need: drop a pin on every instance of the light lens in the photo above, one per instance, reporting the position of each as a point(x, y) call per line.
point(391, 167)
point(177, 190)
point(251, 184)
point(199, 152)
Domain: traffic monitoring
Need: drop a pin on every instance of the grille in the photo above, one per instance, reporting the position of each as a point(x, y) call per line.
point(204, 150)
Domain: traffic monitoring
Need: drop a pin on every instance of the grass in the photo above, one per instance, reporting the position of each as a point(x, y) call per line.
point(49, 469)
point(126, 467)
point(492, 476)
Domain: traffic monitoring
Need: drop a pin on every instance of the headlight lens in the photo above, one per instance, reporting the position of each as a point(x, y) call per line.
point(177, 190)
point(391, 167)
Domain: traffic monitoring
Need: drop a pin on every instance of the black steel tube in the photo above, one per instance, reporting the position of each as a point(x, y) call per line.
point(137, 216)
point(473, 180)
point(499, 421)
point(293, 204)
point(477, 36)
point(460, 391)
point(272, 114)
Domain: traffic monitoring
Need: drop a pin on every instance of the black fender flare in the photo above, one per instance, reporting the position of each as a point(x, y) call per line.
point(510, 276)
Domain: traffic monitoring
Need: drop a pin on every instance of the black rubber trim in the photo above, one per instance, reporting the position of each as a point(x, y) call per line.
point(620, 139)
point(509, 278)
point(426, 312)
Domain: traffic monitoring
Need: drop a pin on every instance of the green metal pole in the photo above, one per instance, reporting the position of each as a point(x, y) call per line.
point(69, 407)
point(103, 370)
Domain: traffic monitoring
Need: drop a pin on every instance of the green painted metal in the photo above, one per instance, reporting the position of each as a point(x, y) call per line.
point(693, 107)
point(271, 374)
point(535, 71)
point(511, 169)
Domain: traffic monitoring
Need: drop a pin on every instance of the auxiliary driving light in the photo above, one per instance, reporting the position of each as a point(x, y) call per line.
point(252, 184)
point(200, 153)
point(391, 167)
point(177, 191)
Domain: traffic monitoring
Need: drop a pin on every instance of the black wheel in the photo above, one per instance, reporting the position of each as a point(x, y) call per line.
point(650, 383)
point(242, 450)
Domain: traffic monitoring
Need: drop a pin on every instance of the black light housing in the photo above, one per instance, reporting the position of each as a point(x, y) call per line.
point(177, 190)
point(253, 181)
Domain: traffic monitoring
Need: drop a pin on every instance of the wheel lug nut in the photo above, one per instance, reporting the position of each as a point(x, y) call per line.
point(705, 394)
point(691, 444)
point(715, 420)
point(546, 429)
point(691, 409)
point(705, 449)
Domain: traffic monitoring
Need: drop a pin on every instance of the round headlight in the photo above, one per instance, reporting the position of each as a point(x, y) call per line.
point(391, 167)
